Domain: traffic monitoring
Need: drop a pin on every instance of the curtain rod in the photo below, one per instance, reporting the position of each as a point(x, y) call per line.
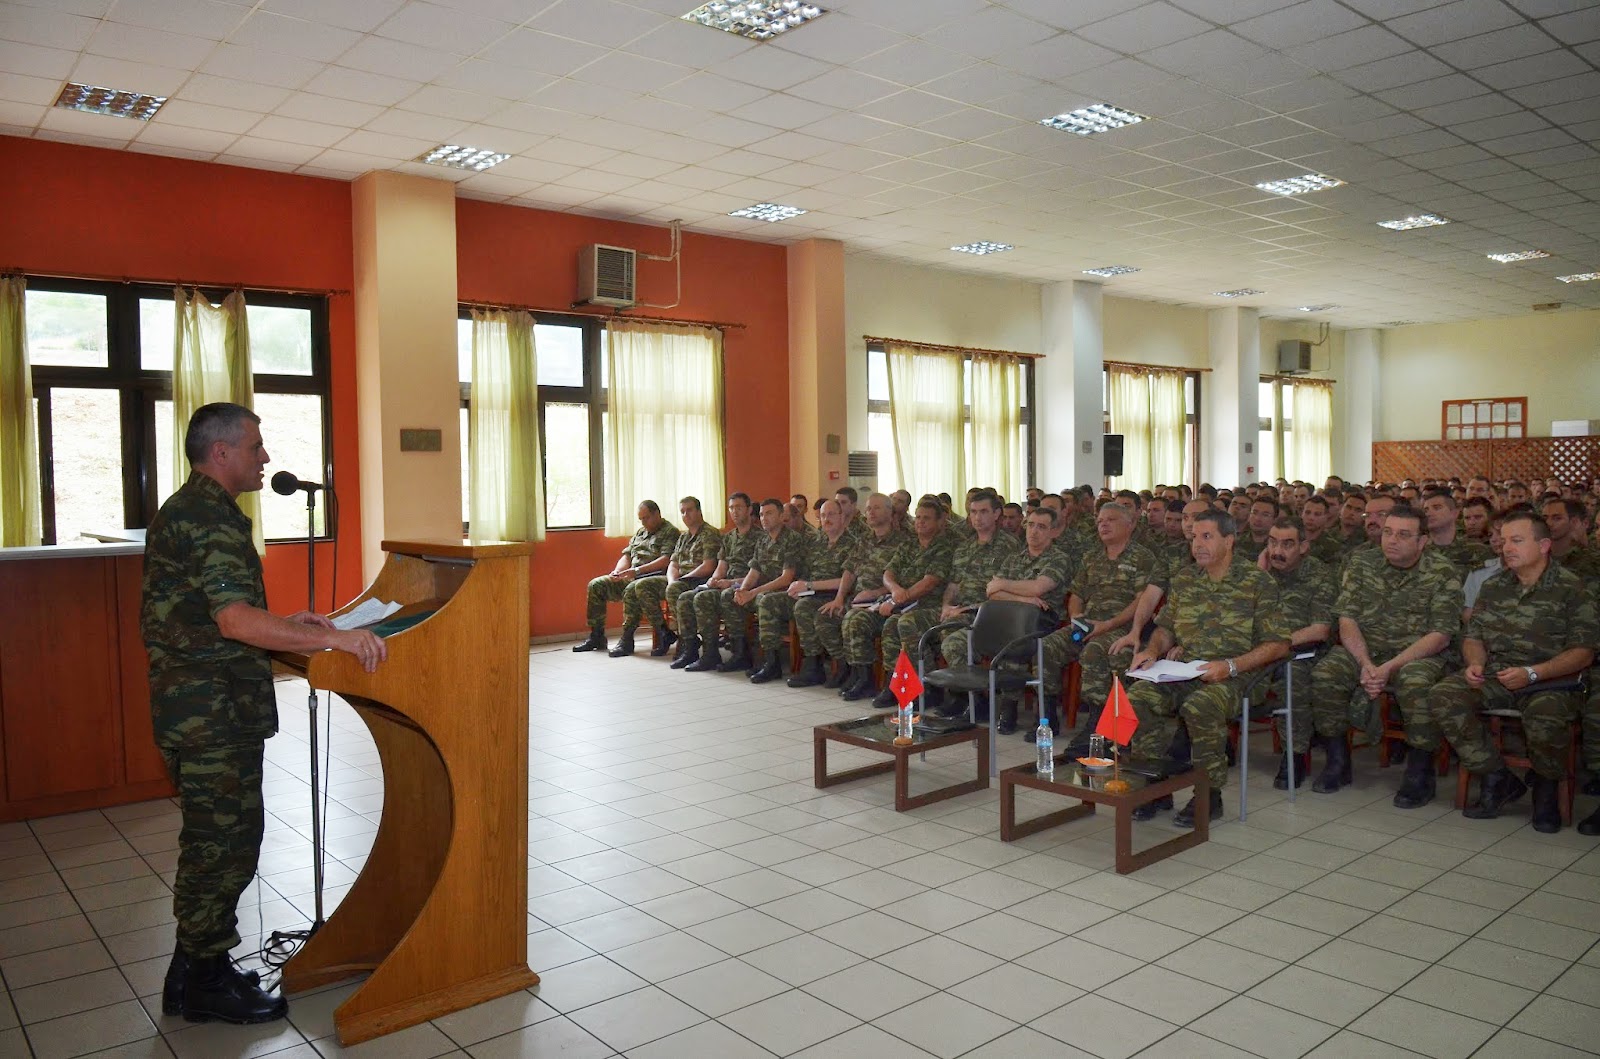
point(1299, 380)
point(1151, 367)
point(953, 349)
point(574, 310)
point(140, 280)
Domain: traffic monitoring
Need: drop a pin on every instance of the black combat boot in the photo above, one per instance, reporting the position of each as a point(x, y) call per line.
point(838, 673)
point(859, 684)
point(1418, 786)
point(1495, 790)
point(710, 659)
point(771, 668)
point(1546, 805)
point(1590, 825)
point(1302, 765)
point(810, 674)
point(885, 699)
point(1336, 770)
point(688, 652)
point(177, 971)
point(624, 646)
point(1148, 810)
point(740, 659)
point(214, 991)
point(1185, 817)
point(664, 642)
point(1006, 723)
point(595, 642)
point(1078, 746)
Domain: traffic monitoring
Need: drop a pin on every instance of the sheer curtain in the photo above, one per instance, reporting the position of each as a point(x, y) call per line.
point(1167, 428)
point(1130, 417)
point(19, 433)
point(507, 486)
point(210, 362)
point(664, 440)
point(997, 423)
point(1313, 431)
point(926, 407)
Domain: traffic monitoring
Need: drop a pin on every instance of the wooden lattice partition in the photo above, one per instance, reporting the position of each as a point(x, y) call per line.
point(1575, 459)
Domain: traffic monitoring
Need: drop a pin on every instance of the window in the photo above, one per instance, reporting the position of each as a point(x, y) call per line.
point(101, 355)
point(880, 428)
point(1275, 436)
point(1191, 423)
point(572, 405)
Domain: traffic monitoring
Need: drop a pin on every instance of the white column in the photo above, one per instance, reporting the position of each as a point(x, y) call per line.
point(1067, 391)
point(1229, 409)
point(1357, 429)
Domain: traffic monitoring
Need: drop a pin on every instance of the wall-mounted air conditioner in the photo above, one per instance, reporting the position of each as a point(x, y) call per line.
point(862, 470)
point(1294, 357)
point(605, 275)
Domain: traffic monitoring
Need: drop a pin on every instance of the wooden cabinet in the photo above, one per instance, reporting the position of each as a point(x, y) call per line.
point(74, 704)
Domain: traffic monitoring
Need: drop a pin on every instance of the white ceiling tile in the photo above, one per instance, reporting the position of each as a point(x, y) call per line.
point(845, 88)
point(1578, 27)
point(1361, 45)
point(907, 18)
point(326, 109)
point(342, 165)
point(393, 58)
point(989, 32)
point(1497, 47)
point(127, 76)
point(582, 98)
point(261, 66)
point(449, 103)
point(385, 145)
point(847, 127)
point(910, 107)
point(361, 86)
point(197, 141)
point(680, 42)
point(498, 80)
point(450, 29)
point(35, 61)
point(204, 117)
point(603, 22)
point(254, 148)
point(359, 15)
point(298, 130)
point(1405, 69)
point(529, 49)
point(1462, 110)
point(200, 18)
point(1452, 21)
point(293, 36)
point(711, 91)
point(1299, 24)
point(42, 26)
point(20, 88)
point(537, 170)
point(395, 122)
point(657, 114)
point(771, 68)
point(838, 38)
point(138, 44)
point(620, 69)
point(916, 62)
point(1148, 26)
point(1532, 70)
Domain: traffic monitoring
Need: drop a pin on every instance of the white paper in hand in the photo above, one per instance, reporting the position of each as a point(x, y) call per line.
point(1161, 671)
point(366, 612)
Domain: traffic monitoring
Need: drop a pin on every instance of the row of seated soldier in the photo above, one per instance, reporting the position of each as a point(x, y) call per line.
point(1440, 612)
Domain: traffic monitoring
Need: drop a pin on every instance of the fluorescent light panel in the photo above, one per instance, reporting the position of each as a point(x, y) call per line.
point(1301, 185)
point(1579, 277)
point(981, 247)
point(768, 211)
point(755, 19)
point(1405, 224)
point(1315, 308)
point(1518, 255)
point(112, 102)
point(453, 156)
point(1110, 270)
point(1097, 117)
point(1242, 292)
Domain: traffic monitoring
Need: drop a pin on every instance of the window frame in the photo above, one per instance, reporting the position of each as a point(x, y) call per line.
point(1194, 380)
point(139, 389)
point(1280, 425)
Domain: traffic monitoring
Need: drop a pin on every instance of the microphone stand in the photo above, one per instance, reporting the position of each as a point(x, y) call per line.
point(312, 704)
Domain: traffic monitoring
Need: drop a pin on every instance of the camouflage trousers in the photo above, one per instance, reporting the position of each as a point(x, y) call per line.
point(680, 613)
point(648, 596)
point(1591, 724)
point(1206, 709)
point(902, 631)
point(1547, 718)
point(773, 612)
point(1338, 703)
point(713, 607)
point(953, 645)
point(1300, 708)
point(1095, 665)
point(219, 792)
point(819, 633)
point(861, 629)
point(603, 590)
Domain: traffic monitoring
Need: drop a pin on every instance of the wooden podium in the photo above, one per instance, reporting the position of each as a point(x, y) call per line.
point(439, 912)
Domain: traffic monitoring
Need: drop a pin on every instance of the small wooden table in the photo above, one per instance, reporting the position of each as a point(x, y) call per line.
point(875, 733)
point(1072, 780)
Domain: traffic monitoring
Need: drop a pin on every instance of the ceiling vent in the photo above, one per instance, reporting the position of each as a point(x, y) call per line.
point(605, 275)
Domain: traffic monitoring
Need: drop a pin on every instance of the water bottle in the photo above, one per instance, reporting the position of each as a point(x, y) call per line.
point(1047, 749)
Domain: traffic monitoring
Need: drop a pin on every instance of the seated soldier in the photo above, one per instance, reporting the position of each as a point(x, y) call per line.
point(1037, 574)
point(1516, 493)
point(1398, 609)
point(1238, 507)
point(694, 557)
point(1475, 514)
point(1229, 615)
point(1033, 494)
point(846, 497)
point(647, 552)
point(1307, 590)
point(1316, 515)
point(698, 608)
point(900, 506)
point(1105, 592)
point(848, 625)
point(975, 562)
point(914, 580)
point(1011, 521)
point(1439, 509)
point(826, 558)
point(1352, 514)
point(794, 516)
point(1533, 622)
point(1476, 579)
point(774, 556)
point(1258, 523)
point(1569, 545)
point(779, 559)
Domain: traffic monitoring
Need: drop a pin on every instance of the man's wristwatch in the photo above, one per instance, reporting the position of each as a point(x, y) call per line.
point(1233, 668)
point(1533, 674)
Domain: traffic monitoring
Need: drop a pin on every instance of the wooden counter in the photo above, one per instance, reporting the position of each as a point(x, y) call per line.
point(74, 696)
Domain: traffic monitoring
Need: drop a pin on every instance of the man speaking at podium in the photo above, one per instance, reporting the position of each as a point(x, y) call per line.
point(208, 634)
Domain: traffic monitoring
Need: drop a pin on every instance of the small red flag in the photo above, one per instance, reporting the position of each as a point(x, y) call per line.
point(905, 683)
point(1117, 721)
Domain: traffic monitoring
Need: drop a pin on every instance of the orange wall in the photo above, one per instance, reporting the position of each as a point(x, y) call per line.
point(82, 211)
point(512, 255)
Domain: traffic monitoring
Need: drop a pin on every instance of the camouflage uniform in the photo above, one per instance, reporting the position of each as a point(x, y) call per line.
point(972, 566)
point(856, 631)
point(642, 547)
point(911, 564)
point(1024, 566)
point(211, 703)
point(1466, 553)
point(1393, 608)
point(1519, 627)
point(1214, 621)
point(1105, 586)
point(1585, 562)
point(772, 556)
point(690, 550)
point(1329, 549)
point(699, 609)
point(823, 562)
point(1307, 595)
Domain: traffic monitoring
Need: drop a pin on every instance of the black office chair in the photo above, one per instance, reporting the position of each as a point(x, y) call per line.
point(998, 630)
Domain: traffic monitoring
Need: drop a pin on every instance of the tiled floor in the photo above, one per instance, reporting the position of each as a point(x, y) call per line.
point(691, 894)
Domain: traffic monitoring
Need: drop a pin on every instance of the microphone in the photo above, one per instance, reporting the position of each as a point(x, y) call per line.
point(285, 483)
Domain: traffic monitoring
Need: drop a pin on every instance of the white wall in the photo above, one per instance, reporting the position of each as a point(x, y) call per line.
point(1145, 332)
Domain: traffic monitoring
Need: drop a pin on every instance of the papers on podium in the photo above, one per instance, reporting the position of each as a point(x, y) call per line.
point(1162, 671)
point(366, 612)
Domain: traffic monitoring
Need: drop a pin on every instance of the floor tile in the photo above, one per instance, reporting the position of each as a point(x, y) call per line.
point(1231, 968)
point(937, 911)
point(787, 1023)
point(1187, 912)
point(1186, 1044)
point(50, 1000)
point(1111, 1030)
point(689, 907)
point(1429, 1030)
point(801, 959)
point(1320, 996)
point(1080, 963)
point(1348, 1045)
point(615, 929)
point(551, 1037)
point(1509, 1044)
point(1027, 1043)
point(863, 1042)
point(666, 956)
point(1555, 1019)
point(744, 931)
point(577, 985)
point(1003, 935)
point(101, 1028)
point(1166, 994)
point(1518, 967)
point(1139, 938)
point(723, 987)
point(1552, 939)
point(51, 965)
point(757, 887)
point(1467, 994)
point(1269, 937)
point(946, 1026)
point(868, 990)
point(1262, 1028)
point(1355, 891)
point(873, 933)
point(1580, 983)
point(1403, 935)
point(701, 1042)
point(637, 1018)
point(811, 909)
point(1016, 993)
point(940, 961)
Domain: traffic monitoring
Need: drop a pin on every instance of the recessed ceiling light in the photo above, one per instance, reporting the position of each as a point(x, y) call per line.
point(1242, 292)
point(982, 246)
point(1097, 117)
point(768, 211)
point(1110, 270)
point(1300, 185)
point(1405, 224)
point(1518, 255)
point(452, 156)
point(114, 102)
point(1315, 308)
point(1579, 277)
point(756, 19)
